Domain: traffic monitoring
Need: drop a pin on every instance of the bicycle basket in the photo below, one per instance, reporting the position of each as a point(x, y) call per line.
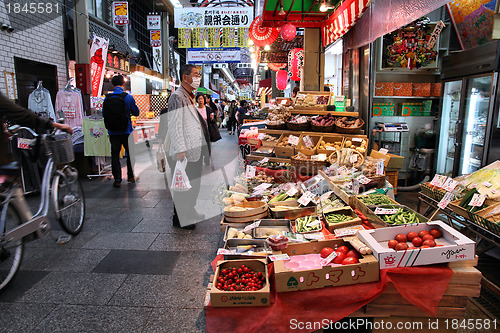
point(61, 147)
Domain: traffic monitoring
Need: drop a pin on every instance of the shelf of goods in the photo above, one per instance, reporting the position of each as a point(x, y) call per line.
point(406, 97)
point(324, 113)
point(271, 131)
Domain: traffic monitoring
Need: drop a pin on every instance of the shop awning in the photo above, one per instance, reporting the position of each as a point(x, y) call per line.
point(342, 20)
point(266, 83)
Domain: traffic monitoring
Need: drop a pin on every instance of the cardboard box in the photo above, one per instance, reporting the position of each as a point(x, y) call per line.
point(390, 161)
point(455, 247)
point(410, 109)
point(436, 89)
point(403, 89)
point(287, 280)
point(262, 297)
point(384, 89)
point(422, 89)
point(383, 109)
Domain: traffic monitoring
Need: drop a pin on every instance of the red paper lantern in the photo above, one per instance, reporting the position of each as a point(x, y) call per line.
point(281, 79)
point(295, 63)
point(288, 31)
point(262, 36)
point(276, 66)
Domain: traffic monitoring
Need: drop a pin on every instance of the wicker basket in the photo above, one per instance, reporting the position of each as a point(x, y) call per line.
point(333, 158)
point(61, 147)
point(276, 127)
point(298, 127)
point(323, 129)
point(350, 130)
point(307, 167)
point(487, 224)
point(427, 190)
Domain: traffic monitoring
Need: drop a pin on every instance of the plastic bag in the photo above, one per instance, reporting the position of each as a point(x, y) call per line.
point(180, 181)
point(161, 161)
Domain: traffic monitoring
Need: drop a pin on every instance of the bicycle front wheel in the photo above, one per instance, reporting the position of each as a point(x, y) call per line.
point(69, 202)
point(11, 253)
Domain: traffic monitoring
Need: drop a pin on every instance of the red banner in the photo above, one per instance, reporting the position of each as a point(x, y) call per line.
point(98, 55)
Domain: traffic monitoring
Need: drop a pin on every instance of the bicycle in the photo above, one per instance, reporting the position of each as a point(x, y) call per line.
point(60, 183)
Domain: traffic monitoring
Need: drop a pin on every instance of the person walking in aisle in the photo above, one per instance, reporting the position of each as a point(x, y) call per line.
point(240, 115)
point(186, 138)
point(117, 109)
point(232, 124)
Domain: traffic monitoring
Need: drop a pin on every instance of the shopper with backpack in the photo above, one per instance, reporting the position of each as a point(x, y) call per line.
point(116, 110)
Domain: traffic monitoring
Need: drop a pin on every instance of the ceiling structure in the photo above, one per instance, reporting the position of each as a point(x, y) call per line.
point(301, 13)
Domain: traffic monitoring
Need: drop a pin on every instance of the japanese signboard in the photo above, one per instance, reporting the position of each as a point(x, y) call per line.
point(228, 37)
point(213, 17)
point(184, 38)
point(207, 56)
point(157, 59)
point(198, 35)
point(120, 12)
point(155, 37)
point(243, 36)
point(154, 22)
point(213, 37)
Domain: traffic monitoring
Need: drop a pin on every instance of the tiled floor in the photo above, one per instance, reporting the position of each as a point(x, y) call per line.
point(129, 270)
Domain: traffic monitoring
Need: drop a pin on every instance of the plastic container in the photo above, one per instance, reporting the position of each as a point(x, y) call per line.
point(277, 242)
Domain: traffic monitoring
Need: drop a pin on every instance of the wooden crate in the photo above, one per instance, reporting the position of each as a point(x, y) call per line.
point(392, 177)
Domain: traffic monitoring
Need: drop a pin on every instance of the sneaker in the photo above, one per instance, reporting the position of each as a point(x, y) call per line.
point(117, 183)
point(131, 180)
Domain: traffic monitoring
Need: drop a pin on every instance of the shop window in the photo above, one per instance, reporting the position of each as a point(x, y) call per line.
point(97, 8)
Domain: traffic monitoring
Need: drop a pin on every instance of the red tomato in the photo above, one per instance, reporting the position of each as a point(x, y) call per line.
point(350, 261)
point(411, 235)
point(436, 233)
point(427, 237)
point(430, 243)
point(401, 238)
point(417, 241)
point(392, 243)
point(339, 258)
point(343, 248)
point(401, 246)
point(326, 251)
point(422, 233)
point(354, 254)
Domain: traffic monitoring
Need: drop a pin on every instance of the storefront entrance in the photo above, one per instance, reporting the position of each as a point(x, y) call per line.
point(29, 72)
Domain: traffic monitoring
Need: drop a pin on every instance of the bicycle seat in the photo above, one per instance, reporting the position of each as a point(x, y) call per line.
point(11, 169)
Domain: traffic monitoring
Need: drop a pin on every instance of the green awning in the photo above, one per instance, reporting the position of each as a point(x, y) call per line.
point(205, 91)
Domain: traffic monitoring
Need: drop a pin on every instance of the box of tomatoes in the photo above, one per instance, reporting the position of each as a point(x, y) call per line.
point(241, 283)
point(324, 263)
point(418, 244)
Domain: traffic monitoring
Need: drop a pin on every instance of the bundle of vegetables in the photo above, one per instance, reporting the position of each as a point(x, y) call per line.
point(308, 224)
point(485, 181)
point(344, 156)
point(348, 122)
point(337, 218)
point(401, 217)
point(282, 197)
point(327, 120)
point(375, 200)
point(466, 199)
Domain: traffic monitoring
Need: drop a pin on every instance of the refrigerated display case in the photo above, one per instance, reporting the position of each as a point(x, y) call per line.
point(469, 106)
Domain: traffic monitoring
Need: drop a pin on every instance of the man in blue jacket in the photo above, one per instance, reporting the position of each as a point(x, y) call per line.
point(119, 138)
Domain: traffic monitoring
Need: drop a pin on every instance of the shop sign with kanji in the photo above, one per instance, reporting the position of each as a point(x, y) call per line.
point(120, 12)
point(235, 17)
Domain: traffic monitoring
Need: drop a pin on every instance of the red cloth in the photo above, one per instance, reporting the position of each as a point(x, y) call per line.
point(331, 303)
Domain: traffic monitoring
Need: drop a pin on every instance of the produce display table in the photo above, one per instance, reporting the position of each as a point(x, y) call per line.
point(399, 293)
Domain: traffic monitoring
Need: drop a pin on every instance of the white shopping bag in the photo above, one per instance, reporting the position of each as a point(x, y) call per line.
point(180, 181)
point(161, 160)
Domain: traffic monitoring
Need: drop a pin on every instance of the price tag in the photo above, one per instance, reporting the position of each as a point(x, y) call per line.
point(283, 102)
point(385, 211)
point(383, 151)
point(251, 226)
point(250, 171)
point(349, 231)
point(448, 197)
point(329, 148)
point(314, 235)
point(276, 257)
point(380, 168)
point(313, 223)
point(488, 184)
point(225, 251)
point(264, 160)
point(355, 186)
point(291, 192)
point(293, 140)
point(477, 200)
point(435, 180)
point(262, 187)
point(23, 143)
point(450, 185)
point(493, 191)
point(307, 141)
point(353, 170)
point(306, 198)
point(329, 259)
point(442, 180)
point(334, 166)
point(357, 140)
point(302, 119)
point(342, 170)
point(363, 180)
point(353, 158)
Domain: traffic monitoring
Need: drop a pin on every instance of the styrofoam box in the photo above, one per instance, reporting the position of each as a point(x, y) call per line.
point(455, 246)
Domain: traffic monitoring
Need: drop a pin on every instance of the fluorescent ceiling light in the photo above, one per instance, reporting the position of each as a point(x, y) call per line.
point(176, 3)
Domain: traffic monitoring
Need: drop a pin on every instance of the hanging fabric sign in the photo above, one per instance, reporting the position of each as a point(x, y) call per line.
point(243, 37)
point(213, 37)
point(98, 55)
point(198, 37)
point(120, 12)
point(154, 22)
point(155, 38)
point(157, 59)
point(228, 37)
point(213, 17)
point(184, 38)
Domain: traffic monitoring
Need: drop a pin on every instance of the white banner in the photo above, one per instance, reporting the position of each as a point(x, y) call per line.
point(157, 59)
point(235, 17)
point(207, 56)
point(154, 22)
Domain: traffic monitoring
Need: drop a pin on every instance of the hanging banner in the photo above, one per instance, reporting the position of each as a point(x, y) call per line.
point(184, 38)
point(157, 59)
point(209, 56)
point(98, 55)
point(154, 22)
point(120, 12)
point(243, 35)
point(213, 37)
point(228, 37)
point(198, 36)
point(213, 17)
point(155, 38)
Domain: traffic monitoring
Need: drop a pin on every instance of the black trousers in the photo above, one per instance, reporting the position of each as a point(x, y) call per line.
point(232, 125)
point(184, 202)
point(116, 145)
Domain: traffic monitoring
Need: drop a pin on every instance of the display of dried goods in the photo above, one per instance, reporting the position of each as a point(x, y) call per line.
point(278, 116)
point(308, 100)
point(269, 138)
point(284, 142)
point(348, 157)
point(261, 178)
point(370, 167)
point(348, 122)
point(330, 145)
point(358, 144)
